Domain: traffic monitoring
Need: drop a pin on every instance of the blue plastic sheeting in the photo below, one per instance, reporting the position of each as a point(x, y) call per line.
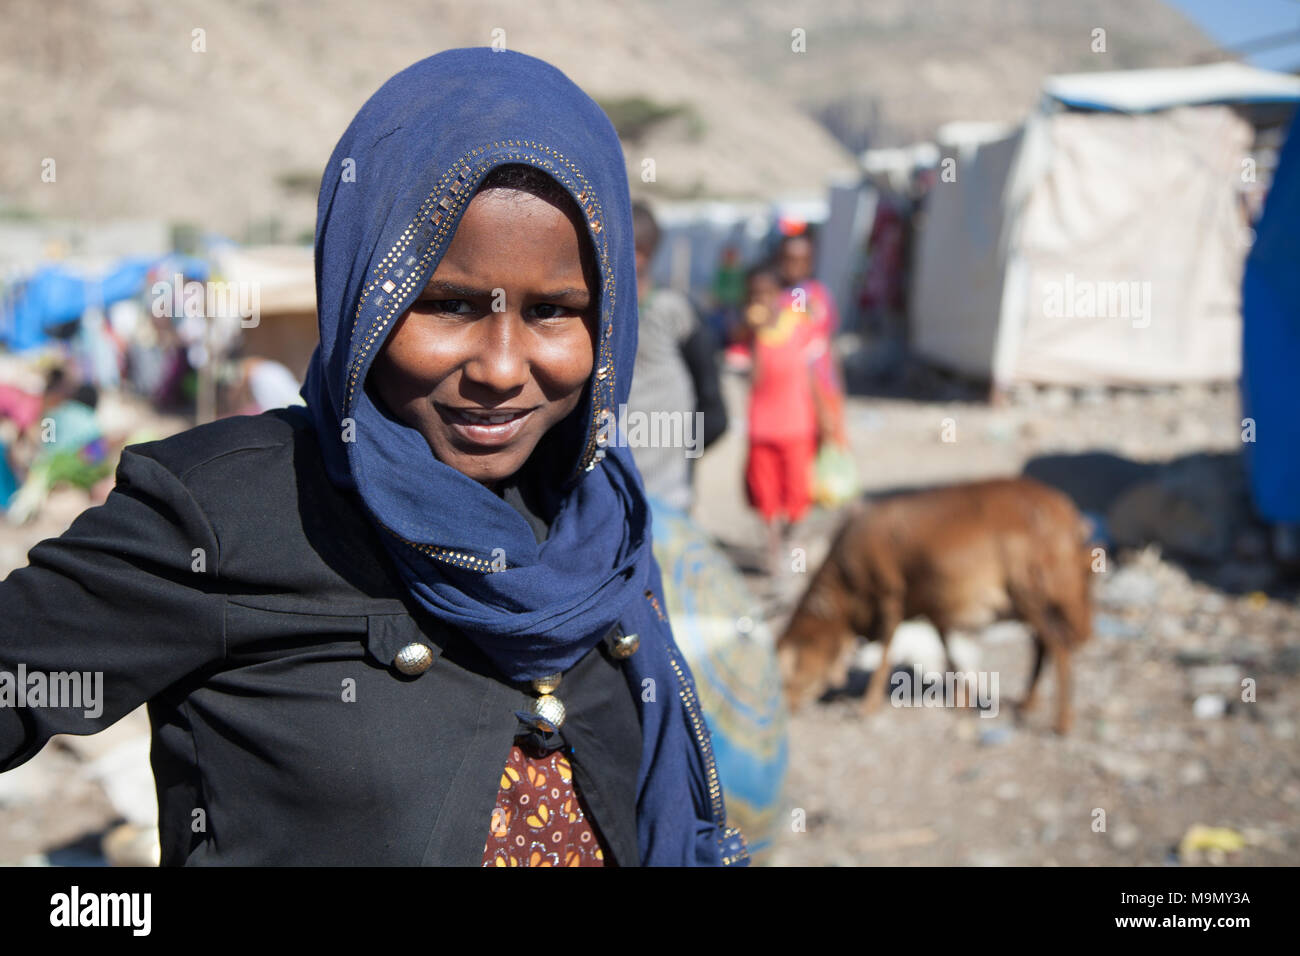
point(50, 297)
point(54, 295)
point(1270, 312)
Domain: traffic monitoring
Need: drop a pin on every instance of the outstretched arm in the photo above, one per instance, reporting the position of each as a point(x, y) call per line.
point(109, 614)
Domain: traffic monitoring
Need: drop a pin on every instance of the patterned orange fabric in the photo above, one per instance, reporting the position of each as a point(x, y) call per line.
point(539, 820)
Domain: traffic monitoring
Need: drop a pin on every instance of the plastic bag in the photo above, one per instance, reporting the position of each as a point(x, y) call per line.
point(835, 476)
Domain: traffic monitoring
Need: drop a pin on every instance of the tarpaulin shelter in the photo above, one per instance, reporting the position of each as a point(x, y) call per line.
point(58, 294)
point(1270, 299)
point(1103, 241)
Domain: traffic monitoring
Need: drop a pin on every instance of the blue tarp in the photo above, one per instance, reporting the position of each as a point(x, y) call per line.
point(54, 295)
point(50, 297)
point(1270, 319)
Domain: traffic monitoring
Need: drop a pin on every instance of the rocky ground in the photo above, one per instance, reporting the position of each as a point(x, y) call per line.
point(1163, 741)
point(946, 786)
point(56, 807)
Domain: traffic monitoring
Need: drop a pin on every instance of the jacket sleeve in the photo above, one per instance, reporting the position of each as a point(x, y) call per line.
point(698, 353)
point(110, 614)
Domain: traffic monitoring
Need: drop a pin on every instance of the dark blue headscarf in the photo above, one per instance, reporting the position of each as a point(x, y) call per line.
point(392, 195)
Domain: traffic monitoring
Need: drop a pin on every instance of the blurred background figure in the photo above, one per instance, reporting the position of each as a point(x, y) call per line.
point(261, 384)
point(795, 257)
point(783, 411)
point(65, 444)
point(728, 295)
point(676, 373)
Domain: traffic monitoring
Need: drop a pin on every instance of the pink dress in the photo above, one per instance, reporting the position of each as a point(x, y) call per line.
point(824, 320)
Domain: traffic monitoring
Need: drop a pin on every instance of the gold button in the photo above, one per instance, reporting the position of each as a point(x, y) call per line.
point(548, 713)
point(623, 645)
point(547, 685)
point(414, 659)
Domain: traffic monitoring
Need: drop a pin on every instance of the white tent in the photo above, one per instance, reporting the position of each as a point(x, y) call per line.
point(1100, 243)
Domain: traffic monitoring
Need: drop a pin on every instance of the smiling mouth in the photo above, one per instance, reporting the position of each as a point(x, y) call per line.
point(486, 426)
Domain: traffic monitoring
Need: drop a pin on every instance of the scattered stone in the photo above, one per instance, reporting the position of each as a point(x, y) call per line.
point(1125, 836)
point(1287, 660)
point(995, 736)
point(1054, 398)
point(1223, 678)
point(1130, 586)
point(1209, 707)
point(1110, 627)
point(1130, 768)
point(132, 845)
point(1094, 395)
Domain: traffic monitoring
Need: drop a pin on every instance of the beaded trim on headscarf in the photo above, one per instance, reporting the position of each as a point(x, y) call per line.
point(393, 278)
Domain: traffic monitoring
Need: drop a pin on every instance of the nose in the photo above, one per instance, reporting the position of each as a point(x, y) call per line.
point(499, 361)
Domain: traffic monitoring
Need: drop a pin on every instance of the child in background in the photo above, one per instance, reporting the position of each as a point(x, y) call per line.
point(795, 256)
point(786, 418)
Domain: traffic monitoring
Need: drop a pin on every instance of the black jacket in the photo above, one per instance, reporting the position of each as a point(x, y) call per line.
point(231, 586)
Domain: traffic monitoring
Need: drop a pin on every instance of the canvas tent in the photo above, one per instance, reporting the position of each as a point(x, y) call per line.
point(1101, 242)
point(285, 280)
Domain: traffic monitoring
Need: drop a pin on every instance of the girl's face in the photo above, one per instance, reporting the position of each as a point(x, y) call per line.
point(796, 260)
point(763, 290)
point(500, 345)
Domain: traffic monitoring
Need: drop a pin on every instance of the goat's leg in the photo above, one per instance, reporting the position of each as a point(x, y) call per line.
point(968, 692)
point(875, 694)
point(1050, 635)
point(1064, 717)
point(890, 618)
point(1031, 693)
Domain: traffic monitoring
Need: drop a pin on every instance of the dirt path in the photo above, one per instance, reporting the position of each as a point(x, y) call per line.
point(939, 786)
point(942, 786)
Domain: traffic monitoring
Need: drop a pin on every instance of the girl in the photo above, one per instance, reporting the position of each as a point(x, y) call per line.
point(786, 417)
point(418, 621)
point(805, 294)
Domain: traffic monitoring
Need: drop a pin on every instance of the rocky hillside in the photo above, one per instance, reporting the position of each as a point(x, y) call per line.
point(888, 72)
point(140, 124)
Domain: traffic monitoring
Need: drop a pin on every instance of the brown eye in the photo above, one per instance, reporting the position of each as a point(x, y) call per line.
point(549, 310)
point(448, 306)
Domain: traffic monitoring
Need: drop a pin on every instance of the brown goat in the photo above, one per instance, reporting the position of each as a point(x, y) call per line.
point(963, 557)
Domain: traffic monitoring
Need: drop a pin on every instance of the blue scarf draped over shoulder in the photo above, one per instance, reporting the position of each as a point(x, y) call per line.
point(390, 201)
